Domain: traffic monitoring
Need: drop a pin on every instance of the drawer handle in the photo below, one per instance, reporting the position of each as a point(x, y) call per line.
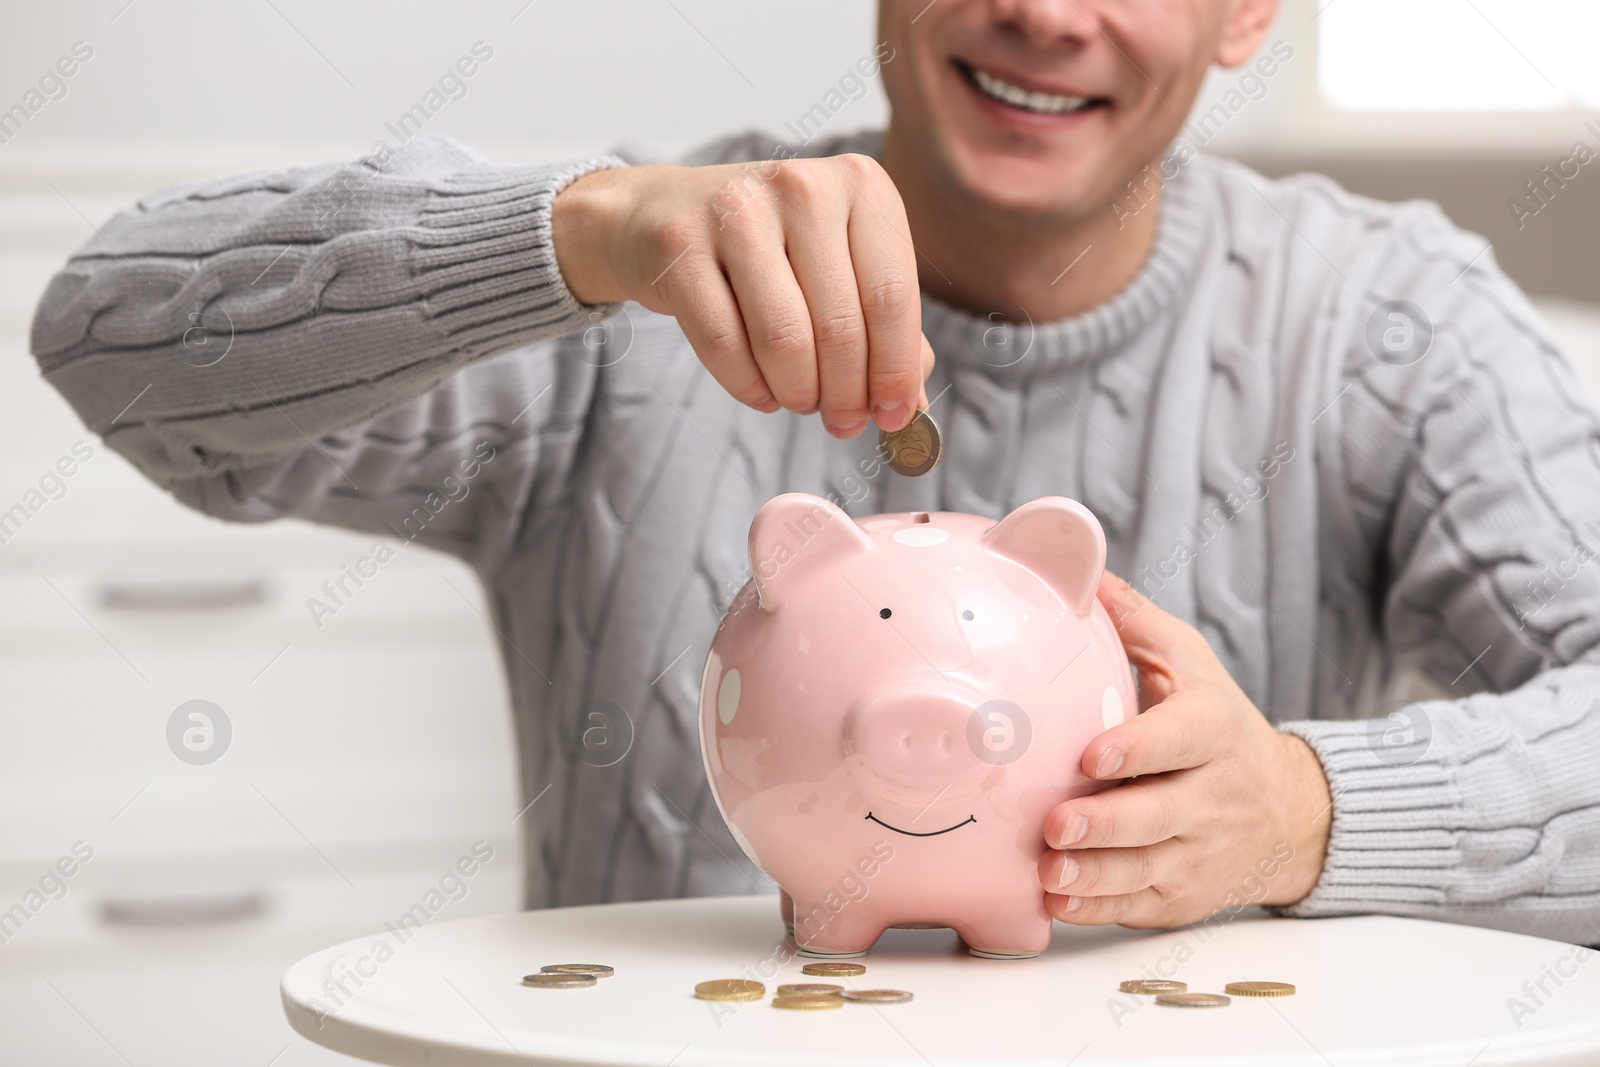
point(182, 594)
point(184, 911)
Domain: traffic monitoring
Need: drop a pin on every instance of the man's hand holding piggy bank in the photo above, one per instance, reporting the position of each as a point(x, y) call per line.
point(912, 720)
point(1223, 804)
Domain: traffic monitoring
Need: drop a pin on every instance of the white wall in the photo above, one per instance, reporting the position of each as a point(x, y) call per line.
point(180, 83)
point(564, 76)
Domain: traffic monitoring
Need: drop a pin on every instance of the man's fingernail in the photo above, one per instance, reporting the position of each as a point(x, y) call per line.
point(1077, 826)
point(1110, 763)
point(1072, 904)
point(847, 429)
point(1069, 873)
point(891, 416)
point(768, 403)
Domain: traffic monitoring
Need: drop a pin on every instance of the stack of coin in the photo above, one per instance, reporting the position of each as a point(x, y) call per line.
point(834, 970)
point(1193, 1000)
point(599, 970)
point(808, 1002)
point(816, 996)
point(811, 996)
point(1176, 995)
point(544, 980)
point(568, 975)
point(1260, 989)
point(730, 989)
point(810, 989)
point(877, 996)
point(1152, 987)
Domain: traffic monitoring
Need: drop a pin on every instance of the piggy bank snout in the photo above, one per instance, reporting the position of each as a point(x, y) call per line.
point(914, 735)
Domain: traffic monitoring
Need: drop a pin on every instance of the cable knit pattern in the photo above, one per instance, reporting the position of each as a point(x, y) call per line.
point(1333, 523)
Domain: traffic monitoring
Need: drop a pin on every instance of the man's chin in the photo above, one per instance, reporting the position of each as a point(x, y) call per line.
point(1030, 192)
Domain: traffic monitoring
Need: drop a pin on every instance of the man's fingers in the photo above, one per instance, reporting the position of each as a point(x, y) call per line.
point(1147, 907)
point(704, 305)
point(886, 277)
point(1139, 813)
point(777, 321)
point(1104, 872)
point(821, 263)
point(1178, 733)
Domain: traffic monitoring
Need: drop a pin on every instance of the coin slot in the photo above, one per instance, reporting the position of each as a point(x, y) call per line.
point(921, 516)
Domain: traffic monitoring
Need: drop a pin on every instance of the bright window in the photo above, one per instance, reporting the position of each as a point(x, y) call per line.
point(1458, 55)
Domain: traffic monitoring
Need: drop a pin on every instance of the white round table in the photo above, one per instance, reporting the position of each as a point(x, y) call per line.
point(1371, 990)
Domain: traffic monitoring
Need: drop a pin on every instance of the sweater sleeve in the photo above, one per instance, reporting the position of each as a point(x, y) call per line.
point(316, 342)
point(1472, 450)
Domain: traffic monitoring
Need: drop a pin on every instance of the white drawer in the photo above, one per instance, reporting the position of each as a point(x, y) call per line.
point(200, 995)
point(390, 722)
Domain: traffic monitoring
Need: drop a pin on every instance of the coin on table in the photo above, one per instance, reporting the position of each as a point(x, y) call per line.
point(876, 996)
point(1193, 1000)
point(913, 449)
point(730, 989)
point(795, 989)
point(808, 1002)
point(1260, 989)
point(1153, 986)
point(833, 970)
point(543, 980)
point(599, 970)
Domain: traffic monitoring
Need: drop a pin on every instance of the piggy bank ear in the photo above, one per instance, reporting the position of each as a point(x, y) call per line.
point(793, 533)
point(1059, 540)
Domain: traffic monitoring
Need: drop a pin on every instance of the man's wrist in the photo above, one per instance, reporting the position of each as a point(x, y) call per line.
point(1307, 824)
point(583, 219)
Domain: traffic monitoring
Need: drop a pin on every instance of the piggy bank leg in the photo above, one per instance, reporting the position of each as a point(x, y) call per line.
point(1006, 935)
point(826, 934)
point(786, 907)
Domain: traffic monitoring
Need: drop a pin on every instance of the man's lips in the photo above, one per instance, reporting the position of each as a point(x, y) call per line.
point(1026, 95)
point(930, 833)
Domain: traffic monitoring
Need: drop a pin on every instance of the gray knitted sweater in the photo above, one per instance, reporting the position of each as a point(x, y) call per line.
point(1330, 520)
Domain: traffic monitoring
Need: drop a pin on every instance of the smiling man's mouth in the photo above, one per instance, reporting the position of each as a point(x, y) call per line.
point(1001, 91)
point(930, 833)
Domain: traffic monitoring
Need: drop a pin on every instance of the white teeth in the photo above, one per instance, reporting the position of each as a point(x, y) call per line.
point(1049, 103)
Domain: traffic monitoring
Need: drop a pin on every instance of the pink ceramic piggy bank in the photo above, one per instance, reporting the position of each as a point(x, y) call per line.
point(891, 707)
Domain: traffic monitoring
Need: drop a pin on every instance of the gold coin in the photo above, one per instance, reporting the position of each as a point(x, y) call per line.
point(833, 970)
point(1153, 986)
point(1193, 1000)
point(1260, 989)
point(876, 996)
point(599, 970)
point(730, 989)
point(796, 989)
point(914, 449)
point(543, 980)
point(808, 1002)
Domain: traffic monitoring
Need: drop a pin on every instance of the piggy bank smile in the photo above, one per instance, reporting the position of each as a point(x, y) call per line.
point(919, 675)
point(923, 833)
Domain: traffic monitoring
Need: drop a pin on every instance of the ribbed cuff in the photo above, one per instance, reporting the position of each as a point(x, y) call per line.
point(485, 255)
point(1392, 846)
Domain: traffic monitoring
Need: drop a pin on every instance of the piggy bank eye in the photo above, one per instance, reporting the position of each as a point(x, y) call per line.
point(884, 613)
point(967, 614)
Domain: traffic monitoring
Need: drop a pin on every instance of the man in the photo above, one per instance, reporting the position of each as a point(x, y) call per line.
point(1316, 429)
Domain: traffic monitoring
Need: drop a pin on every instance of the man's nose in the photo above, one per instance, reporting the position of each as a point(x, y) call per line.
point(1049, 21)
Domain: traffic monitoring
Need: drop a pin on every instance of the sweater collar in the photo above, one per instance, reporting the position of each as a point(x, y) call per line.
point(1011, 351)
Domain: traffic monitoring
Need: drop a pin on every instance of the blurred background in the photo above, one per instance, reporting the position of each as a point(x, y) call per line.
point(233, 786)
